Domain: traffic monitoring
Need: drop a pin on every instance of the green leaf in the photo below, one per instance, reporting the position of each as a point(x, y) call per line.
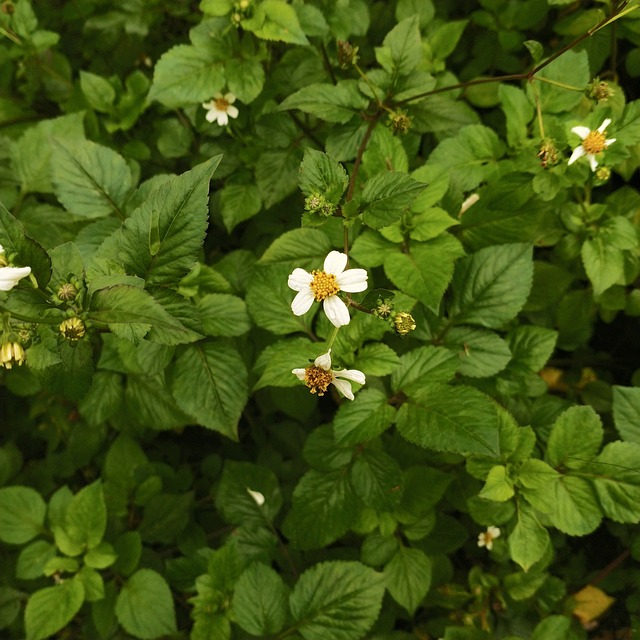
point(554, 627)
point(482, 353)
point(186, 74)
point(165, 517)
point(144, 607)
point(224, 315)
point(401, 50)
point(22, 512)
point(498, 485)
point(239, 202)
point(626, 412)
point(32, 560)
point(519, 113)
point(209, 382)
point(161, 239)
point(424, 272)
point(276, 20)
point(322, 175)
point(617, 481)
point(333, 103)
point(321, 497)
point(305, 248)
point(603, 263)
point(424, 9)
point(385, 197)
point(445, 38)
point(491, 286)
point(338, 600)
point(51, 609)
point(282, 163)
point(377, 359)
point(86, 519)
point(377, 479)
point(469, 158)
point(130, 312)
point(98, 91)
point(260, 601)
point(408, 577)
point(245, 79)
point(435, 364)
point(10, 605)
point(90, 180)
point(529, 539)
point(456, 419)
point(532, 346)
point(554, 99)
point(29, 253)
point(575, 438)
point(367, 417)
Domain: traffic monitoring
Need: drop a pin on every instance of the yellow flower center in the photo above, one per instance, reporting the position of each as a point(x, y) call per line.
point(221, 104)
point(323, 285)
point(594, 142)
point(317, 379)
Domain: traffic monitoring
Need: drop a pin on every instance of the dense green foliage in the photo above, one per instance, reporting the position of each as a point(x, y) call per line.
point(174, 176)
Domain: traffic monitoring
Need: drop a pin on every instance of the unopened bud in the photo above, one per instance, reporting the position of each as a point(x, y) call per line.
point(383, 309)
point(603, 173)
point(347, 54)
point(67, 292)
point(400, 122)
point(317, 203)
point(72, 329)
point(599, 90)
point(548, 153)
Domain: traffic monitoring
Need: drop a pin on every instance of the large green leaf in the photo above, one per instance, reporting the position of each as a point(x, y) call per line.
point(456, 419)
point(575, 438)
point(260, 601)
point(401, 50)
point(491, 286)
point(22, 512)
point(50, 609)
point(337, 600)
point(90, 180)
point(626, 412)
point(160, 241)
point(145, 606)
point(209, 382)
point(529, 539)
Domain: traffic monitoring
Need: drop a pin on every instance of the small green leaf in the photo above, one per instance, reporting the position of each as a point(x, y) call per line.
point(145, 606)
point(435, 364)
point(209, 382)
point(377, 479)
point(239, 202)
point(498, 486)
point(245, 79)
point(51, 609)
point(603, 263)
point(305, 248)
point(575, 438)
point(491, 286)
point(276, 20)
point(385, 196)
point(529, 539)
point(260, 601)
point(22, 512)
point(367, 417)
point(408, 577)
point(98, 91)
point(626, 412)
point(86, 519)
point(482, 353)
point(322, 175)
point(338, 600)
point(401, 50)
point(223, 315)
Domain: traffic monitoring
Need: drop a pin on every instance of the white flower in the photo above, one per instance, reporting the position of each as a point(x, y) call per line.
point(221, 108)
point(10, 276)
point(323, 286)
point(258, 498)
point(593, 143)
point(319, 376)
point(486, 539)
point(469, 202)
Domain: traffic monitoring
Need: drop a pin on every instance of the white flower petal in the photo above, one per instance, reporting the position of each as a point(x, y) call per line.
point(212, 115)
point(209, 105)
point(482, 540)
point(352, 280)
point(324, 361)
point(351, 374)
point(10, 276)
point(1, 249)
point(583, 132)
point(232, 111)
point(604, 125)
point(299, 279)
point(578, 152)
point(609, 141)
point(299, 373)
point(592, 161)
point(223, 119)
point(302, 302)
point(494, 532)
point(258, 498)
point(229, 97)
point(336, 311)
point(335, 262)
point(343, 387)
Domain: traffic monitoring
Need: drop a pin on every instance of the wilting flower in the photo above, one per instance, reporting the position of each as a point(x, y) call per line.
point(10, 276)
point(258, 498)
point(486, 539)
point(593, 143)
point(221, 108)
point(11, 353)
point(320, 375)
point(323, 286)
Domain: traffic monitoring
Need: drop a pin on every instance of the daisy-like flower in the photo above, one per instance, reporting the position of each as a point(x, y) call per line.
point(221, 108)
point(10, 276)
point(486, 538)
point(320, 375)
point(593, 143)
point(323, 286)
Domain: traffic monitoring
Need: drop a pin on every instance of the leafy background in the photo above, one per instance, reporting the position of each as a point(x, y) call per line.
point(128, 455)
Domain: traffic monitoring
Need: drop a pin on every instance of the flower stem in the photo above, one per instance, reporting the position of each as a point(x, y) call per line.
point(333, 337)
